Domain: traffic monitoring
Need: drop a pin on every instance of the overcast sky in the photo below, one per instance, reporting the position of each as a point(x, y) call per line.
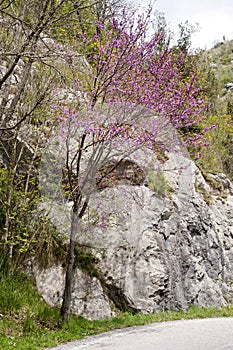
point(215, 18)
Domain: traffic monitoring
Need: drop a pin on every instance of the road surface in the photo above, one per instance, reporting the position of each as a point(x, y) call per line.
point(206, 334)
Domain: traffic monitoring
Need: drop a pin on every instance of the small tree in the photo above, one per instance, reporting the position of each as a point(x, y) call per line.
point(132, 80)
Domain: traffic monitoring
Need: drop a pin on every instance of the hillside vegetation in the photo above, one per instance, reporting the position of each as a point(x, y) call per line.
point(218, 157)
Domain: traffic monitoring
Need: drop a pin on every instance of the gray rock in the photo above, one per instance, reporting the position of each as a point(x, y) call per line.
point(229, 86)
point(168, 253)
point(88, 297)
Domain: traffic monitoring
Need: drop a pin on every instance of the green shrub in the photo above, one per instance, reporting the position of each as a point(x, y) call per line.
point(158, 183)
point(214, 158)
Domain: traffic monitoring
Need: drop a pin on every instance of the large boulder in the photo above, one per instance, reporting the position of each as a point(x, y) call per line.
point(172, 248)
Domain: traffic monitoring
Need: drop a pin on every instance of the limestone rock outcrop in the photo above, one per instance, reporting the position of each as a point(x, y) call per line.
point(172, 250)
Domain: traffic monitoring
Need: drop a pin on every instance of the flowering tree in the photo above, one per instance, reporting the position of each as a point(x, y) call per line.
point(127, 66)
point(131, 80)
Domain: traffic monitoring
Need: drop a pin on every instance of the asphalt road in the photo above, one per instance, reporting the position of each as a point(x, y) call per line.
point(207, 334)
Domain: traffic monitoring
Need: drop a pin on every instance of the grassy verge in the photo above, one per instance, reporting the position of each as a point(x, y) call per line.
point(27, 323)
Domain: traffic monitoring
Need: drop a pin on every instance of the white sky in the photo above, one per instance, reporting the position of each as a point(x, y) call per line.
point(215, 18)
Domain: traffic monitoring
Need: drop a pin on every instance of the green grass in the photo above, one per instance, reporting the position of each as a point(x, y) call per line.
point(29, 324)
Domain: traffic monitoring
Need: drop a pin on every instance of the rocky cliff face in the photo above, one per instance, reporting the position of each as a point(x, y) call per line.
point(175, 249)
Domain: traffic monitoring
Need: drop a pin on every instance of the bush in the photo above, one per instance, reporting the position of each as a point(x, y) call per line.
point(216, 157)
point(158, 183)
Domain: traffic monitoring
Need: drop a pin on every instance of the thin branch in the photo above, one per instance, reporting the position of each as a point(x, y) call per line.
point(38, 102)
point(8, 5)
point(19, 93)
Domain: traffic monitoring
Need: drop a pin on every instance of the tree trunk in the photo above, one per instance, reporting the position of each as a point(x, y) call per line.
point(66, 303)
point(65, 309)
